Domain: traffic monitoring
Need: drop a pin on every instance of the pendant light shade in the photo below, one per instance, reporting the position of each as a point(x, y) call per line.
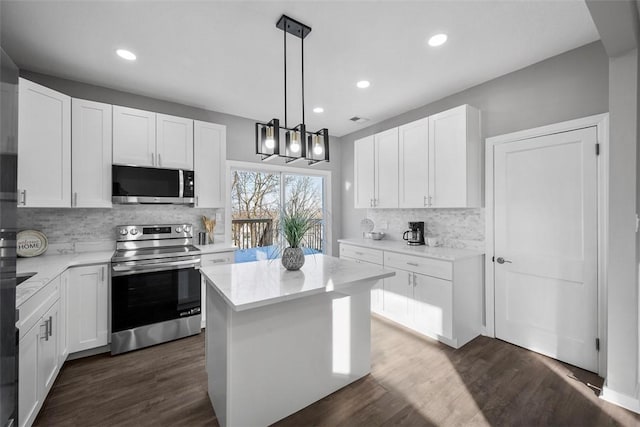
point(299, 144)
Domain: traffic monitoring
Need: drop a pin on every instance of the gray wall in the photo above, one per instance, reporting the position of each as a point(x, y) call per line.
point(565, 87)
point(240, 144)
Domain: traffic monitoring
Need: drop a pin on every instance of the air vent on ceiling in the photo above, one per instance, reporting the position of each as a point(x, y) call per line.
point(356, 119)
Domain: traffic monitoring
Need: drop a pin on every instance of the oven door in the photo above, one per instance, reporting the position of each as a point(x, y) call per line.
point(153, 291)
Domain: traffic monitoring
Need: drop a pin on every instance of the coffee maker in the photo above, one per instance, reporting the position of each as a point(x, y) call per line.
point(415, 233)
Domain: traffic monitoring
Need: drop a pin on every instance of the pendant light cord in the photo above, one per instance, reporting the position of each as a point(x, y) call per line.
point(302, 62)
point(286, 125)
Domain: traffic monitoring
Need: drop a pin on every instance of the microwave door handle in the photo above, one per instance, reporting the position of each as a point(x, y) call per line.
point(181, 183)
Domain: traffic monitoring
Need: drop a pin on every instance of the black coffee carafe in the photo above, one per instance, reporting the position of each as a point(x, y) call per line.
point(415, 233)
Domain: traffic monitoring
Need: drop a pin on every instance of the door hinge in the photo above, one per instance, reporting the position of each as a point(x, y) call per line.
point(597, 344)
point(597, 149)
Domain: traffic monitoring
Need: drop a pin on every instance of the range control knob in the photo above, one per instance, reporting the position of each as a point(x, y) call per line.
point(123, 232)
point(134, 231)
point(178, 229)
point(187, 229)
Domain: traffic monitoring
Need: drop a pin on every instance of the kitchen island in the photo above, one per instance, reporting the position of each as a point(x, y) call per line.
point(278, 340)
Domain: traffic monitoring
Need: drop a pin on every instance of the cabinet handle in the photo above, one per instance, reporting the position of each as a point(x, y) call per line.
point(159, 160)
point(46, 331)
point(196, 200)
point(23, 194)
point(429, 201)
point(414, 279)
point(153, 159)
point(50, 332)
point(375, 202)
point(215, 261)
point(424, 203)
point(75, 199)
point(370, 203)
point(359, 253)
point(415, 264)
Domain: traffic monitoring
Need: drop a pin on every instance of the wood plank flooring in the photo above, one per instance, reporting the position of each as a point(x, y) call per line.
point(414, 381)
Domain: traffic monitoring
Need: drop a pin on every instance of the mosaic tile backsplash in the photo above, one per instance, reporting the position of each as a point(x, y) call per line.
point(456, 228)
point(72, 226)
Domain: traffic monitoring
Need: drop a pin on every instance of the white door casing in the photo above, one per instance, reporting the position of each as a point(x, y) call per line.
point(542, 215)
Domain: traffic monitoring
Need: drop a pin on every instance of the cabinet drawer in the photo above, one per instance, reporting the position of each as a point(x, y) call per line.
point(207, 260)
point(33, 308)
point(426, 266)
point(364, 254)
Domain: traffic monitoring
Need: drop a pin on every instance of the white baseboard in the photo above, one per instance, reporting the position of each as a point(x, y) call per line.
point(628, 402)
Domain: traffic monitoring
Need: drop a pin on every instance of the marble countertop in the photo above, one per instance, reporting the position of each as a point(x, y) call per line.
point(47, 267)
point(256, 284)
point(215, 248)
point(448, 254)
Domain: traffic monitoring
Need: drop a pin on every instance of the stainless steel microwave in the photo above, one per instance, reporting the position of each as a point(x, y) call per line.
point(138, 185)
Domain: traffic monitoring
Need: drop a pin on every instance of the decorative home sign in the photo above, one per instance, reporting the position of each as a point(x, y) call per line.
point(31, 243)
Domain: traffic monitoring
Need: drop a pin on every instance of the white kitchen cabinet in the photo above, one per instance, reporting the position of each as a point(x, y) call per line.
point(174, 142)
point(397, 296)
point(63, 322)
point(208, 260)
point(376, 170)
point(88, 303)
point(370, 257)
point(44, 146)
point(210, 155)
point(134, 137)
point(413, 145)
point(454, 158)
point(91, 146)
point(39, 352)
point(432, 305)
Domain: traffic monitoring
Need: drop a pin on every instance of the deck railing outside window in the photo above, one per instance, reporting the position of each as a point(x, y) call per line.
point(257, 232)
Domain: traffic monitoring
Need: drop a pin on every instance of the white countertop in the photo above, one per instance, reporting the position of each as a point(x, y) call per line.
point(449, 254)
point(215, 248)
point(47, 267)
point(256, 284)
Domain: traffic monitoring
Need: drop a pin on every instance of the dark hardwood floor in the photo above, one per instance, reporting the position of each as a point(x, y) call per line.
point(414, 381)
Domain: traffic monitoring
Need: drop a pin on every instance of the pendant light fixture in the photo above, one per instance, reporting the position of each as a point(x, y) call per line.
point(299, 144)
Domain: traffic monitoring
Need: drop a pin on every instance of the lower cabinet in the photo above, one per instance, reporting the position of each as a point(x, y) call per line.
point(88, 289)
point(208, 260)
point(39, 350)
point(438, 298)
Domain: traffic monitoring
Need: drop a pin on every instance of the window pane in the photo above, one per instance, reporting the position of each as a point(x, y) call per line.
point(304, 194)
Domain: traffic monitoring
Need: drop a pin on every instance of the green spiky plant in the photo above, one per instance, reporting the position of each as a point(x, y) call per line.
point(295, 224)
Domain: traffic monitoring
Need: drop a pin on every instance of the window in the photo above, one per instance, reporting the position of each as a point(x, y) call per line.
point(257, 199)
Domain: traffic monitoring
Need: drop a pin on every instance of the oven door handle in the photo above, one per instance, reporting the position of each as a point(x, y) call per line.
point(123, 270)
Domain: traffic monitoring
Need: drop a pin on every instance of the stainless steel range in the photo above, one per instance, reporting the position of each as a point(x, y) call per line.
point(155, 286)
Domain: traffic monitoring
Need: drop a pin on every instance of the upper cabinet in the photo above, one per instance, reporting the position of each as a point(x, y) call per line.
point(210, 148)
point(44, 147)
point(436, 163)
point(376, 170)
point(134, 137)
point(454, 158)
point(90, 154)
point(174, 142)
point(145, 138)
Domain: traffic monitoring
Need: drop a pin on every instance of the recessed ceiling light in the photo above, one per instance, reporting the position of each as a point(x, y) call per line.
point(126, 54)
point(318, 110)
point(437, 40)
point(362, 84)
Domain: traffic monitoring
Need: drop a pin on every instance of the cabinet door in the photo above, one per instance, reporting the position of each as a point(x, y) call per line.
point(91, 154)
point(134, 137)
point(386, 171)
point(432, 305)
point(63, 322)
point(44, 147)
point(174, 142)
point(88, 300)
point(28, 394)
point(449, 160)
point(210, 155)
point(207, 260)
point(396, 295)
point(413, 140)
point(364, 172)
point(48, 355)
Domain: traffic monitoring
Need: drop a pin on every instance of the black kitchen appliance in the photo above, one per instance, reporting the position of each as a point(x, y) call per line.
point(8, 211)
point(155, 286)
point(415, 234)
point(138, 185)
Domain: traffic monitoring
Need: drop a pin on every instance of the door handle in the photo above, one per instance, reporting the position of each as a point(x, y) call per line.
point(501, 260)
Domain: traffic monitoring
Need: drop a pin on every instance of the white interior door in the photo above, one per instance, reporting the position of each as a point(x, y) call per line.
point(545, 196)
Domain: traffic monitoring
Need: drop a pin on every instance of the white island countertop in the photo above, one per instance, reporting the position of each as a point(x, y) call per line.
point(257, 284)
point(439, 252)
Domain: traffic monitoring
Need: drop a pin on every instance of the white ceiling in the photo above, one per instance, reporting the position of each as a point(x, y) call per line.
point(227, 55)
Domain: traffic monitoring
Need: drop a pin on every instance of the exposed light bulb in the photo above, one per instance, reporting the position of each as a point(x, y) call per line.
point(317, 149)
point(294, 146)
point(269, 143)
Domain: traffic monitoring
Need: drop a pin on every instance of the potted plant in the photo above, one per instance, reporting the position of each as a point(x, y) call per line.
point(295, 224)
